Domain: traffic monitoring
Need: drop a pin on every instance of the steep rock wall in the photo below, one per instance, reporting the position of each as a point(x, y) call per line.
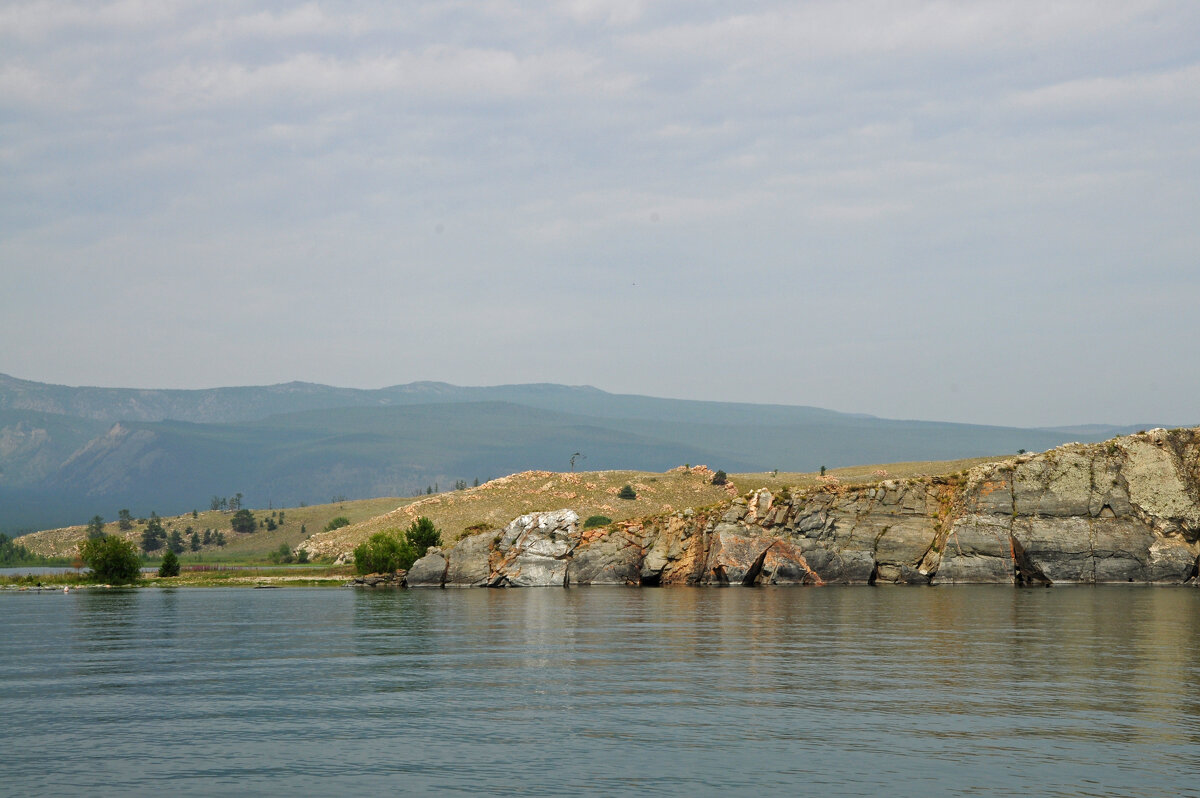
point(1123, 511)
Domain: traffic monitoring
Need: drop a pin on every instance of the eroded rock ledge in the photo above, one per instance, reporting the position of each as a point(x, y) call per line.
point(1123, 511)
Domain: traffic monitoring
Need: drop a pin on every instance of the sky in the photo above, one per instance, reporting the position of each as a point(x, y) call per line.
point(983, 212)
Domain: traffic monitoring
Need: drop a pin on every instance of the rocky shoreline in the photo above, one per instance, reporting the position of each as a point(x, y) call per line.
point(1123, 511)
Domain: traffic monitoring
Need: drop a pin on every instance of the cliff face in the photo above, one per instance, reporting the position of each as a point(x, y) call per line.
point(1123, 511)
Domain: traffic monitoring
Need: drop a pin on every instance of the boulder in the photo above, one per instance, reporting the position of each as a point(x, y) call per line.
point(469, 561)
point(429, 571)
point(533, 550)
point(395, 579)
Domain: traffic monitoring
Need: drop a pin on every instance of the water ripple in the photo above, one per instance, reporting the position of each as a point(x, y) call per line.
point(971, 691)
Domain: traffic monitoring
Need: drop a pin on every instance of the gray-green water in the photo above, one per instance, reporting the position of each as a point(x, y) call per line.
point(845, 691)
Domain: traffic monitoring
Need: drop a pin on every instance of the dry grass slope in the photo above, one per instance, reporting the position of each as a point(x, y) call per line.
point(494, 504)
point(855, 475)
point(299, 524)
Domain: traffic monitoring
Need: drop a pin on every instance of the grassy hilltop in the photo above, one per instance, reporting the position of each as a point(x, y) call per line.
point(489, 506)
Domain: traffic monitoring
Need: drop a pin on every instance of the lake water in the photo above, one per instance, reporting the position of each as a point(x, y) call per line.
point(778, 691)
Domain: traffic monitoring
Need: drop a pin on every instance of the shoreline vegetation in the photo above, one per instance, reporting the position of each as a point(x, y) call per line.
point(458, 512)
point(248, 576)
point(1144, 501)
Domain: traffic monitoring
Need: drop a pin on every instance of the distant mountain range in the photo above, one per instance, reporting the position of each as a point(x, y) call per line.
point(69, 453)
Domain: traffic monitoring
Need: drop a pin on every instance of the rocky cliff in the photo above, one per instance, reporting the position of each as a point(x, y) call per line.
point(1123, 511)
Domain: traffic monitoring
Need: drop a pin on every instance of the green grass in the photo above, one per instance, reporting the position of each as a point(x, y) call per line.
point(281, 576)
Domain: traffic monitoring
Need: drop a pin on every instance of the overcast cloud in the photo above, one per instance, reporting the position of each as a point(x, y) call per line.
point(984, 211)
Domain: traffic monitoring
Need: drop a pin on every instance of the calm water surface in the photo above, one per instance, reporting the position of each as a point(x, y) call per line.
point(843, 691)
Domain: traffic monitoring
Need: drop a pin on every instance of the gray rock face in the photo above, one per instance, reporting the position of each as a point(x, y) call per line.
point(1127, 510)
point(534, 549)
point(395, 579)
point(612, 560)
point(429, 571)
point(469, 562)
point(736, 555)
point(977, 551)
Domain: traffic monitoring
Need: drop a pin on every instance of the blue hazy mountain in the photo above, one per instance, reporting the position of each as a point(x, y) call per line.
point(69, 453)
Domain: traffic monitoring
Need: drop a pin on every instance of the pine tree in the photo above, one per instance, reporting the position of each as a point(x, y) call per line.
point(170, 564)
point(153, 536)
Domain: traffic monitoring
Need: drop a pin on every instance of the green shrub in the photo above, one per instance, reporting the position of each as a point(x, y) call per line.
point(243, 521)
point(282, 554)
point(111, 558)
point(720, 478)
point(596, 520)
point(337, 523)
point(422, 534)
point(383, 552)
point(390, 551)
point(170, 564)
point(626, 492)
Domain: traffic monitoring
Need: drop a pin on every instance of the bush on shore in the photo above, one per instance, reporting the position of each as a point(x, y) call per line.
point(112, 559)
point(391, 550)
point(170, 564)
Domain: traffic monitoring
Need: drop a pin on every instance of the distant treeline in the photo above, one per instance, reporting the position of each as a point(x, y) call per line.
point(13, 553)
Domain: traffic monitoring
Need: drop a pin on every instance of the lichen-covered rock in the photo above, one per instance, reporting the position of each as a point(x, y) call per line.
point(785, 564)
point(736, 557)
point(533, 550)
point(1159, 488)
point(612, 560)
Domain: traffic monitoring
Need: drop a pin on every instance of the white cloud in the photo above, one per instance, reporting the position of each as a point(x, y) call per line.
point(306, 19)
point(609, 12)
point(831, 29)
point(42, 18)
point(439, 74)
point(1177, 90)
point(857, 154)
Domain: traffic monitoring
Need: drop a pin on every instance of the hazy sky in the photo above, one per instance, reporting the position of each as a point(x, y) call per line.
point(972, 211)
